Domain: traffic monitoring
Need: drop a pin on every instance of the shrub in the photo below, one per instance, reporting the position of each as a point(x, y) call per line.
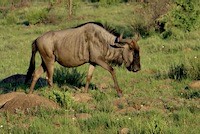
point(147, 16)
point(62, 98)
point(177, 72)
point(37, 15)
point(69, 76)
point(184, 17)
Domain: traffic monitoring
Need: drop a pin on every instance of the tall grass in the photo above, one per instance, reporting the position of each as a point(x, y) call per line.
point(157, 105)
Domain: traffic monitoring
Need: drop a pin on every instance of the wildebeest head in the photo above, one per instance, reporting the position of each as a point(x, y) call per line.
point(131, 53)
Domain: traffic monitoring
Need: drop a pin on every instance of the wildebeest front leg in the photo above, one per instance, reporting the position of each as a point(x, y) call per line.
point(89, 77)
point(111, 70)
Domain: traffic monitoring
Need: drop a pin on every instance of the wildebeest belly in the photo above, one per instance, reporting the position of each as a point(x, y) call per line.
point(71, 57)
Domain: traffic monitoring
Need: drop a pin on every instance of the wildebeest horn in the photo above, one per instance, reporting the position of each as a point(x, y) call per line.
point(125, 41)
point(137, 37)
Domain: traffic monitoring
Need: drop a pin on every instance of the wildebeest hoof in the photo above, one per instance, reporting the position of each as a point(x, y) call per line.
point(30, 92)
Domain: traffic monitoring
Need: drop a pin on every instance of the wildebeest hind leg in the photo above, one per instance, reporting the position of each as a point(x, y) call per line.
point(50, 70)
point(89, 77)
point(111, 70)
point(36, 76)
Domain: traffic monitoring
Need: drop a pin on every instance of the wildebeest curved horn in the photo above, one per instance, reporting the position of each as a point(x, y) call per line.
point(125, 41)
point(137, 37)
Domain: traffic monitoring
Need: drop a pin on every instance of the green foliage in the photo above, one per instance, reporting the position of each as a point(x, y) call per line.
point(177, 72)
point(35, 16)
point(183, 17)
point(11, 18)
point(188, 69)
point(69, 76)
point(109, 2)
point(185, 14)
point(62, 98)
point(190, 93)
point(193, 65)
point(146, 16)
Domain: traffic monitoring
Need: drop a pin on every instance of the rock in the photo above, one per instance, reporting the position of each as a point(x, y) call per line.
point(124, 131)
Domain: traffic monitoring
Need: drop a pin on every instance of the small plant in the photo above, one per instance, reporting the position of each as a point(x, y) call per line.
point(189, 93)
point(62, 98)
point(193, 65)
point(177, 72)
point(69, 76)
point(189, 69)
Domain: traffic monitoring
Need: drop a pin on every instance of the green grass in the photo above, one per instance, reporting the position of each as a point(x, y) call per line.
point(165, 104)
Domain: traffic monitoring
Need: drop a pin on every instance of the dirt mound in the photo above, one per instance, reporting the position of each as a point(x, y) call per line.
point(16, 102)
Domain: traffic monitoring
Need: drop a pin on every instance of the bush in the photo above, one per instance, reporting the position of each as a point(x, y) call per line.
point(184, 17)
point(69, 76)
point(35, 15)
point(177, 72)
point(146, 16)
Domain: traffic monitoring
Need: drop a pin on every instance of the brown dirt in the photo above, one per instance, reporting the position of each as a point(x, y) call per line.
point(195, 85)
point(124, 131)
point(83, 116)
point(82, 97)
point(16, 102)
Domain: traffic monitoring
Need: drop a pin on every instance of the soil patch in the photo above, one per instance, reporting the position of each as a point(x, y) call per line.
point(195, 85)
point(82, 97)
point(19, 102)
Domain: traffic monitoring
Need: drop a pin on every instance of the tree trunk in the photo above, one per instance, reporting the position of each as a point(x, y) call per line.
point(70, 7)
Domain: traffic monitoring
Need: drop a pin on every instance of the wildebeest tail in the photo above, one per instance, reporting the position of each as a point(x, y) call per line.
point(31, 68)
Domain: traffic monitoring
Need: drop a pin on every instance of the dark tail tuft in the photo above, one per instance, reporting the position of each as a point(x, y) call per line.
point(31, 68)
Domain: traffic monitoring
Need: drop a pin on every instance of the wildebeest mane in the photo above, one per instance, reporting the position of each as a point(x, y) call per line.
point(106, 26)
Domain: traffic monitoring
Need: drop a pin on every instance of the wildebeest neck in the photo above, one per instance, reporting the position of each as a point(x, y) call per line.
point(114, 55)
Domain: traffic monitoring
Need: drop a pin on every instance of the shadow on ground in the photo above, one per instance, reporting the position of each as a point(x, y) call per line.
point(62, 77)
point(14, 82)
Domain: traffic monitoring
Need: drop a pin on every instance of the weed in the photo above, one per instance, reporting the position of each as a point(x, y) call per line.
point(177, 72)
point(190, 94)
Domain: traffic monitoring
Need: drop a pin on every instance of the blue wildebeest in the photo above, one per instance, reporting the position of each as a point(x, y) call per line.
point(87, 43)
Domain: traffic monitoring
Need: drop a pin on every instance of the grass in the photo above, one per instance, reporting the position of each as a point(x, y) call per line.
point(164, 104)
